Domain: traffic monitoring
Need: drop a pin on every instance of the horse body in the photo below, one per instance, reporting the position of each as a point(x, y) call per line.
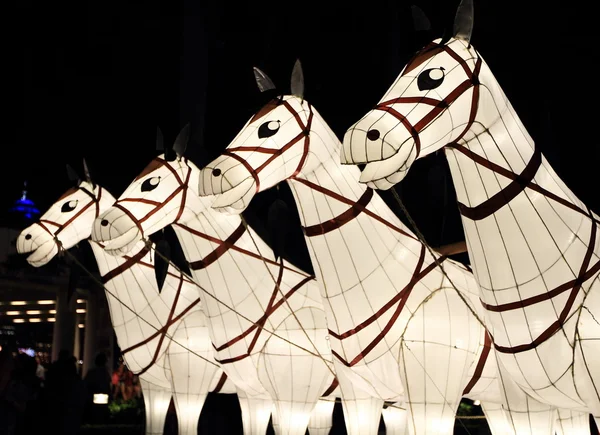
point(532, 243)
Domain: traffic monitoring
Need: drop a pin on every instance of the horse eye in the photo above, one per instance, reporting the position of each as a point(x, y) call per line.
point(150, 184)
point(430, 79)
point(268, 129)
point(69, 206)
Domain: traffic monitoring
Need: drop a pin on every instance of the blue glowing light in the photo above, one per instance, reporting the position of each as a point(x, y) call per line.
point(25, 206)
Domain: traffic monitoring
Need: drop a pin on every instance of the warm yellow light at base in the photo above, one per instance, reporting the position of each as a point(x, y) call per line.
point(100, 399)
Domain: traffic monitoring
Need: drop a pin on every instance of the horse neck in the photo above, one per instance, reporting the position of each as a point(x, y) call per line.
point(118, 274)
point(213, 243)
point(325, 196)
point(513, 204)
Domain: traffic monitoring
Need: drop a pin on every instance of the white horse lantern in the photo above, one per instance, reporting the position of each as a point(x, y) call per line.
point(264, 315)
point(533, 244)
point(398, 328)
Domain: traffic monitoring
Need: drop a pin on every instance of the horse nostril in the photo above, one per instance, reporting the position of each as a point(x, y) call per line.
point(373, 134)
point(104, 222)
point(216, 172)
point(28, 236)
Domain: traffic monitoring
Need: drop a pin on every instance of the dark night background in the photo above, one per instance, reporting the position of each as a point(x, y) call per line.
point(94, 79)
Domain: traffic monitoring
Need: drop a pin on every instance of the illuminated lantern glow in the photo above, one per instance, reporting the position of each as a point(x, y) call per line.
point(399, 331)
point(273, 348)
point(532, 243)
point(100, 399)
point(162, 332)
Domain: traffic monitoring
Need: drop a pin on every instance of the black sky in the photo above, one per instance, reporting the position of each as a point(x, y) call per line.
point(93, 79)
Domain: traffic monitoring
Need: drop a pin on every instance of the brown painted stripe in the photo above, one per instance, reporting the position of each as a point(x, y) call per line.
point(331, 388)
point(219, 250)
point(409, 127)
point(246, 165)
point(307, 130)
point(130, 261)
point(255, 325)
point(197, 233)
point(405, 294)
point(131, 216)
point(422, 56)
point(162, 336)
point(269, 309)
point(248, 149)
point(164, 329)
point(507, 194)
point(511, 175)
point(347, 201)
point(140, 200)
point(75, 216)
point(480, 364)
point(342, 219)
point(221, 382)
point(544, 296)
point(558, 324)
point(401, 295)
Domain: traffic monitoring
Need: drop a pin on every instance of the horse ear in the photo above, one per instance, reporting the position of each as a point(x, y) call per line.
point(463, 21)
point(297, 84)
point(263, 81)
point(86, 172)
point(160, 145)
point(73, 175)
point(182, 140)
point(420, 20)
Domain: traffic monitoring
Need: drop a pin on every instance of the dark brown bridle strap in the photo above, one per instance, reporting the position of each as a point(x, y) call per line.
point(221, 382)
point(246, 165)
point(182, 187)
point(59, 227)
point(351, 203)
point(400, 299)
point(162, 332)
point(120, 269)
point(585, 273)
point(129, 262)
point(331, 388)
point(223, 247)
point(236, 248)
point(439, 106)
point(134, 260)
point(520, 182)
point(259, 324)
point(276, 152)
point(487, 346)
point(337, 221)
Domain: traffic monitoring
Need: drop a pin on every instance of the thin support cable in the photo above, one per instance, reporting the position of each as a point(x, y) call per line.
point(438, 263)
point(327, 363)
point(98, 282)
point(152, 247)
